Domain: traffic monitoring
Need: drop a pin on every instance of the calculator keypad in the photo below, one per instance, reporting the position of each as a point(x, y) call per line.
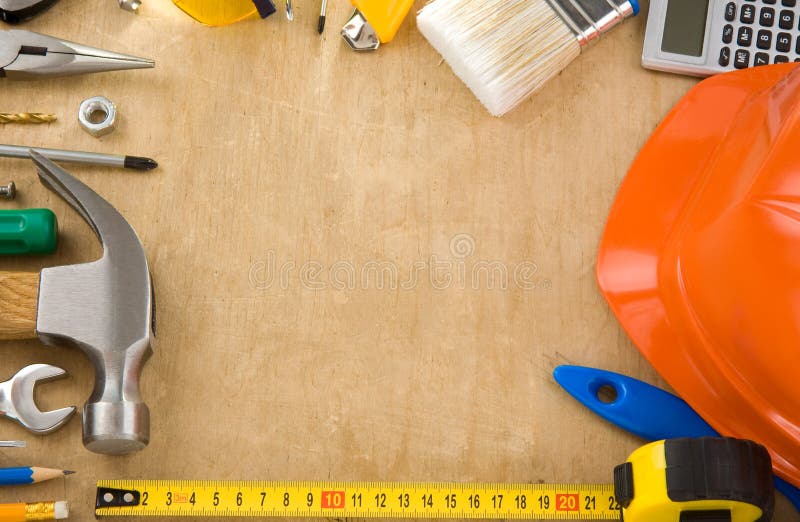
point(759, 32)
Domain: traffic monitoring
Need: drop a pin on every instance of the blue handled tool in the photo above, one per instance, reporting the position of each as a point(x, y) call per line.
point(644, 410)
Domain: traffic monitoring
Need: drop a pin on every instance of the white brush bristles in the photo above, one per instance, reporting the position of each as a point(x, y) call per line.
point(504, 50)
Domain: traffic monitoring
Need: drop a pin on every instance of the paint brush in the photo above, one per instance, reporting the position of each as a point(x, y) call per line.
point(505, 50)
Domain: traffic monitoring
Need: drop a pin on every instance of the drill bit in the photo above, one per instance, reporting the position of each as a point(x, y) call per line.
point(289, 10)
point(26, 117)
point(321, 22)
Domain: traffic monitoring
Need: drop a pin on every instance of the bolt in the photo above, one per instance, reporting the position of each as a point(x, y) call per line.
point(9, 191)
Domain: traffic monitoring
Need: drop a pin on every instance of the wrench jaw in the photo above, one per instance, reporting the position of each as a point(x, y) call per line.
point(16, 400)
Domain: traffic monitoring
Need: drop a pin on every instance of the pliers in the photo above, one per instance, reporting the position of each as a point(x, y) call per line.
point(25, 55)
point(16, 11)
point(16, 399)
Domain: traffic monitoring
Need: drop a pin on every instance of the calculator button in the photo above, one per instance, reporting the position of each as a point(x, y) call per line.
point(725, 56)
point(727, 34)
point(786, 19)
point(748, 14)
point(768, 1)
point(764, 39)
point(788, 3)
point(797, 47)
point(781, 59)
point(742, 59)
point(761, 59)
point(730, 12)
point(745, 36)
point(783, 42)
point(767, 17)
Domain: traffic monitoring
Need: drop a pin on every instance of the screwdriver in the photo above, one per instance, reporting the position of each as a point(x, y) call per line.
point(28, 231)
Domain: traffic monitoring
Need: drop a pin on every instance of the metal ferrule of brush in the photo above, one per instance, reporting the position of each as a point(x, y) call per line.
point(589, 19)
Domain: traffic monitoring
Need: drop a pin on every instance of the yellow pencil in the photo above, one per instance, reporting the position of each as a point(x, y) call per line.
point(36, 511)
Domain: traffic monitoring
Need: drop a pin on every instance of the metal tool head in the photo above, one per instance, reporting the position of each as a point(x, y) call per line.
point(25, 55)
point(16, 399)
point(107, 309)
point(359, 34)
point(16, 11)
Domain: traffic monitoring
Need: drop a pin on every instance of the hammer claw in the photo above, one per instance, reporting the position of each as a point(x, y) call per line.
point(17, 403)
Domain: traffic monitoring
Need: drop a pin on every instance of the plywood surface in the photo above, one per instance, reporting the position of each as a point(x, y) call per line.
point(313, 233)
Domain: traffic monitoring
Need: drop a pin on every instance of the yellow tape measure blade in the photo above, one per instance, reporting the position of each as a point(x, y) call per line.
point(355, 500)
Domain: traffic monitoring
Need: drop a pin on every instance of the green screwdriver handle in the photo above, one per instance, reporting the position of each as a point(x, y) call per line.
point(29, 231)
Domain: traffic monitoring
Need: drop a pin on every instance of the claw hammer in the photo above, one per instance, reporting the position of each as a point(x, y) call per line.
point(106, 308)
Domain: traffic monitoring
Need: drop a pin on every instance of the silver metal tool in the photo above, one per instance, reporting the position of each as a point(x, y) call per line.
point(289, 10)
point(16, 11)
point(9, 191)
point(132, 6)
point(25, 55)
point(12, 444)
point(106, 308)
point(84, 158)
point(16, 399)
point(359, 34)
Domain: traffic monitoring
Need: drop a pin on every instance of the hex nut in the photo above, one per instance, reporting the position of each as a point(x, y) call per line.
point(89, 110)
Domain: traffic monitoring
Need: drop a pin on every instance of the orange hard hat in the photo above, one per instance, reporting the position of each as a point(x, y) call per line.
point(700, 260)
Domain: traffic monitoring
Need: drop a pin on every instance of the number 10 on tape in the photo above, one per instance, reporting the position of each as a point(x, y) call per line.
point(355, 499)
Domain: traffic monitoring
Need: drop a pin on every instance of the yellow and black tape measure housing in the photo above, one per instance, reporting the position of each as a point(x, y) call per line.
point(693, 480)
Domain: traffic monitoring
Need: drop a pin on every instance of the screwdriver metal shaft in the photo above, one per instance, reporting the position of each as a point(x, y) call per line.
point(86, 158)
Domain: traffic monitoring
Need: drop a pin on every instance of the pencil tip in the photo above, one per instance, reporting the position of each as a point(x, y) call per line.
point(68, 472)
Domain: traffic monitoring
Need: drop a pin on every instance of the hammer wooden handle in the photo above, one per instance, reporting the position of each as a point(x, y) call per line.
point(19, 300)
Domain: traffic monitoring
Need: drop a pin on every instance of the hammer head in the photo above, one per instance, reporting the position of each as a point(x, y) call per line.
point(105, 308)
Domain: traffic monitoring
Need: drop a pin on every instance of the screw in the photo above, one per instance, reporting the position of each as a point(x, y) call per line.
point(9, 191)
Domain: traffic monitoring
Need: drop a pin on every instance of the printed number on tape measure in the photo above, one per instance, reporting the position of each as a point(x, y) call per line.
point(356, 499)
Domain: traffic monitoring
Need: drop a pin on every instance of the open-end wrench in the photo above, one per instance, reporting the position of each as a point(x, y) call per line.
point(16, 399)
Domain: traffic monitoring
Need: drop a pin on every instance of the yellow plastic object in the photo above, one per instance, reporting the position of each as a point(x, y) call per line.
point(693, 480)
point(217, 12)
point(384, 16)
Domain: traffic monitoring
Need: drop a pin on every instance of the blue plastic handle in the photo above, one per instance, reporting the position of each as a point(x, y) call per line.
point(644, 410)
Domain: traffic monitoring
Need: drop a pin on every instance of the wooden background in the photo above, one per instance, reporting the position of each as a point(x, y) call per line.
point(284, 150)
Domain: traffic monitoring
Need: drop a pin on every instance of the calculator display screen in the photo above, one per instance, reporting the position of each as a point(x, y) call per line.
point(685, 27)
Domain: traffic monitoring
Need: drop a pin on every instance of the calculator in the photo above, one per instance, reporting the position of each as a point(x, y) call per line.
point(705, 37)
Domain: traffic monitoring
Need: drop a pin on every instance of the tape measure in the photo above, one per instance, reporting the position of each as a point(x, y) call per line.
point(687, 480)
point(169, 498)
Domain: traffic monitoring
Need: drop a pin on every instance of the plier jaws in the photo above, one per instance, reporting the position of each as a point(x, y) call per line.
point(25, 55)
